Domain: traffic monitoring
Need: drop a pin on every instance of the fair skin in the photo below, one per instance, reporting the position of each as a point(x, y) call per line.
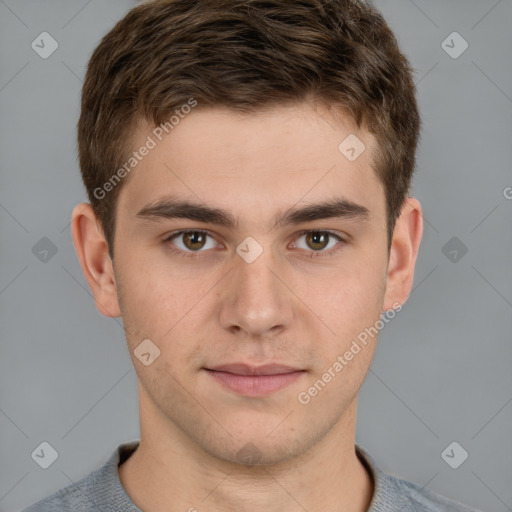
point(299, 303)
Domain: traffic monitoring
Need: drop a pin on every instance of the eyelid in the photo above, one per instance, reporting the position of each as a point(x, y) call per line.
point(334, 234)
point(176, 234)
point(342, 240)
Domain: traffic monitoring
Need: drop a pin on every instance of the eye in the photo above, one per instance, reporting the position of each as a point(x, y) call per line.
point(191, 241)
point(319, 241)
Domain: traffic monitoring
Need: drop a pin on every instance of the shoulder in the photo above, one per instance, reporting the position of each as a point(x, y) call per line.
point(425, 500)
point(99, 490)
point(395, 494)
point(73, 497)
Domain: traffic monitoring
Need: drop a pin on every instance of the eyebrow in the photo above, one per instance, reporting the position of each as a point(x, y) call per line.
point(171, 208)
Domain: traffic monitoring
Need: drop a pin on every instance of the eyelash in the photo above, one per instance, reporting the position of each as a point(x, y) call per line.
point(195, 254)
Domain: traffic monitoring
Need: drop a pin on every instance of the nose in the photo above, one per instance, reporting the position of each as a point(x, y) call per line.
point(256, 302)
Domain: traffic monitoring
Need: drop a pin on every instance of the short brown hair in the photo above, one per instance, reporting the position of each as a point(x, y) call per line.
point(247, 55)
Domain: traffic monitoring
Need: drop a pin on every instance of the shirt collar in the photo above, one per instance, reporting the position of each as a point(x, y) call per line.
point(388, 495)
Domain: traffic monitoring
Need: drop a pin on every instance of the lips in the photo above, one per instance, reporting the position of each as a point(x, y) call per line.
point(254, 381)
point(245, 369)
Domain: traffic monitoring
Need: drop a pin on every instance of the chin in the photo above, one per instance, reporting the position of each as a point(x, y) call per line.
point(259, 450)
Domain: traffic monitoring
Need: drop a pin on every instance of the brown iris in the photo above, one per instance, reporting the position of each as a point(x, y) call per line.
point(317, 240)
point(194, 240)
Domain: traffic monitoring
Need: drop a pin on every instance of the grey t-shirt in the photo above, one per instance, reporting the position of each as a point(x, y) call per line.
point(102, 491)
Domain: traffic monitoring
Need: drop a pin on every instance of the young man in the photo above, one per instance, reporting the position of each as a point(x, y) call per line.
point(248, 164)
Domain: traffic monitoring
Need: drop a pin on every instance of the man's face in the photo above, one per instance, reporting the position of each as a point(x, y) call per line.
point(300, 303)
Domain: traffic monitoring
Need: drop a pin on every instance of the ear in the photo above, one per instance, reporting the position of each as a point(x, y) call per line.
point(92, 250)
point(404, 251)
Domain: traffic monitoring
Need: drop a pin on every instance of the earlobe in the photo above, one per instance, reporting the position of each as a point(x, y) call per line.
point(92, 251)
point(403, 254)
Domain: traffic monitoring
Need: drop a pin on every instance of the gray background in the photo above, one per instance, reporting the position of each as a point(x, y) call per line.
point(442, 368)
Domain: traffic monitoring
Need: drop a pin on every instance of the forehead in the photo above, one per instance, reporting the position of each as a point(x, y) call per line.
point(257, 162)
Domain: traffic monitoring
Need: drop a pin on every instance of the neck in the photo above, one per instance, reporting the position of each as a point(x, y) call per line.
point(168, 471)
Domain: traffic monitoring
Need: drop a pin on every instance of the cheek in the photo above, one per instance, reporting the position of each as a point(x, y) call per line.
point(349, 299)
point(160, 299)
point(351, 308)
point(150, 298)
point(159, 302)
